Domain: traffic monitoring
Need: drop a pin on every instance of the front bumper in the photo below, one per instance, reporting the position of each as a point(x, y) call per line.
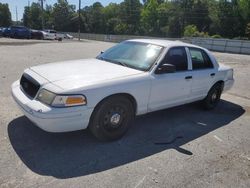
point(51, 119)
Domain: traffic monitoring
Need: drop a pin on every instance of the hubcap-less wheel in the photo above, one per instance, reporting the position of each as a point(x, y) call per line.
point(111, 118)
point(213, 97)
point(114, 117)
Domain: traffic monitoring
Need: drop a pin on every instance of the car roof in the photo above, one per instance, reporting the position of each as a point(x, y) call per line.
point(18, 26)
point(165, 43)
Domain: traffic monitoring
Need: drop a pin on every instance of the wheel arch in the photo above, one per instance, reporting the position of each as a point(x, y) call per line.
point(221, 82)
point(126, 95)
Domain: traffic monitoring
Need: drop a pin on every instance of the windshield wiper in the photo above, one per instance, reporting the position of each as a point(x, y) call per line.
point(113, 61)
point(121, 63)
point(102, 58)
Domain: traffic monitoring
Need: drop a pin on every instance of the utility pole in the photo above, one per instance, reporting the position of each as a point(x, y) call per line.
point(79, 21)
point(42, 14)
point(16, 16)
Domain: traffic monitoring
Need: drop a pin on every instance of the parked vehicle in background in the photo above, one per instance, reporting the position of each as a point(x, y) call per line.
point(6, 32)
point(68, 36)
point(52, 35)
point(36, 34)
point(20, 32)
point(1, 31)
point(49, 35)
point(132, 78)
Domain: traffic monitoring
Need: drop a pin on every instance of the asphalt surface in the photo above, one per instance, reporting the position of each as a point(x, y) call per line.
point(197, 148)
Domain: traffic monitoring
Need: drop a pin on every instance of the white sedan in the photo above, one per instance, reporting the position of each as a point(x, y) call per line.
point(52, 35)
point(132, 78)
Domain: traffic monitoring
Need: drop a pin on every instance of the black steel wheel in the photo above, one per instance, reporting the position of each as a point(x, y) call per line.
point(213, 97)
point(111, 118)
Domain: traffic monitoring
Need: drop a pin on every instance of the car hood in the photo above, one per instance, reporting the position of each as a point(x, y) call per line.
point(80, 73)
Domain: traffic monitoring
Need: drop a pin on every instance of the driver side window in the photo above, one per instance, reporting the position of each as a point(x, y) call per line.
point(177, 56)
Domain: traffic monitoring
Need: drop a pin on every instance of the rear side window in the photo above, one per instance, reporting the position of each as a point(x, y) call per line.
point(177, 56)
point(200, 59)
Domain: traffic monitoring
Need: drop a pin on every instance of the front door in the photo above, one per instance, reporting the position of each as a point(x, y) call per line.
point(170, 89)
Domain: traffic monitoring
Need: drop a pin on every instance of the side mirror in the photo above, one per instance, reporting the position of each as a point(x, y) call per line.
point(165, 68)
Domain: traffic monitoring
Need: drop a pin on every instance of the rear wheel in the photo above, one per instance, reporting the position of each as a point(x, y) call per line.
point(213, 97)
point(111, 118)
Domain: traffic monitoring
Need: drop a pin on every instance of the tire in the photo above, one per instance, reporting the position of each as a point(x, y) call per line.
point(111, 118)
point(213, 97)
point(15, 36)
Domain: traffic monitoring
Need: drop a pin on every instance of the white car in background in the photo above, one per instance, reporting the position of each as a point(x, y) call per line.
point(68, 36)
point(132, 78)
point(52, 35)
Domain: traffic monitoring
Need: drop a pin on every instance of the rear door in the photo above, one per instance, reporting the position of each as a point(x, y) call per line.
point(203, 73)
point(170, 89)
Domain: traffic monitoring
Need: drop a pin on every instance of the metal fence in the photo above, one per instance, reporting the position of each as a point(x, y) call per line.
point(219, 45)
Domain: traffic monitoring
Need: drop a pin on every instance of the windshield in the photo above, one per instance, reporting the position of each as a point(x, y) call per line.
point(136, 55)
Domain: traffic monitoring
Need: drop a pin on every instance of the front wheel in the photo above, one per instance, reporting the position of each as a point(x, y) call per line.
point(111, 118)
point(213, 97)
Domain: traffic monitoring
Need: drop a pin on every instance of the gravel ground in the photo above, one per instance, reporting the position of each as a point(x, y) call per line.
point(202, 148)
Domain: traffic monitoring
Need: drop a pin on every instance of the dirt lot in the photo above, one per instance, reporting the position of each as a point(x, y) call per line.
point(203, 148)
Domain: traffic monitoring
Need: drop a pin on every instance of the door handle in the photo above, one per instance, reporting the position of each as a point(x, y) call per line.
point(188, 77)
point(212, 74)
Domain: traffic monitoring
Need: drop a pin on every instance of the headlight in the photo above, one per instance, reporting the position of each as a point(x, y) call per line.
point(46, 96)
point(55, 100)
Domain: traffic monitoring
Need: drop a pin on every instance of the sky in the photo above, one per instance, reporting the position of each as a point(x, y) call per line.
point(20, 4)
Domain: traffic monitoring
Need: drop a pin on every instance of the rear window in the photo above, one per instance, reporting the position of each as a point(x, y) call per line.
point(200, 59)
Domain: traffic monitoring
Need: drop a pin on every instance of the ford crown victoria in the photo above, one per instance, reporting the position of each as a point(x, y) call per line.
point(132, 78)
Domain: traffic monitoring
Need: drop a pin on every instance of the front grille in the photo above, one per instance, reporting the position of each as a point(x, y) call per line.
point(29, 86)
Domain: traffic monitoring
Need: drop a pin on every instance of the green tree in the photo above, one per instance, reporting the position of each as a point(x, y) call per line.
point(190, 31)
point(200, 15)
point(248, 30)
point(170, 19)
point(32, 16)
point(48, 18)
point(97, 18)
point(63, 14)
point(5, 15)
point(130, 16)
point(245, 9)
point(230, 19)
point(150, 17)
point(27, 17)
point(112, 18)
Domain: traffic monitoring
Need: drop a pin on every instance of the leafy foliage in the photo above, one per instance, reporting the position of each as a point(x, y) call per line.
point(248, 30)
point(164, 18)
point(5, 15)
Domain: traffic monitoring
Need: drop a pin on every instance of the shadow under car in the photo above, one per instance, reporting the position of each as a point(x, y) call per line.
point(74, 154)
